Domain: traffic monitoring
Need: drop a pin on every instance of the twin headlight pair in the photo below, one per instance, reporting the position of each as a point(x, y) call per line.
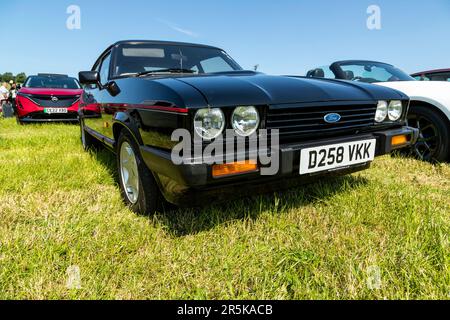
point(392, 110)
point(209, 123)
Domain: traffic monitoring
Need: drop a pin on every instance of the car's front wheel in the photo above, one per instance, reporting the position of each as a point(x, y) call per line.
point(433, 143)
point(137, 184)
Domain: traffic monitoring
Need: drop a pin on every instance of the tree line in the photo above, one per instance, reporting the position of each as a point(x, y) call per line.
point(8, 76)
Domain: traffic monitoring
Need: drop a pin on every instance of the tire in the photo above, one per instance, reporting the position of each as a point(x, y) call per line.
point(146, 199)
point(87, 140)
point(433, 144)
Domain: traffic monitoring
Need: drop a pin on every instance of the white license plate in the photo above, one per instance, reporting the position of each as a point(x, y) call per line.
point(336, 156)
point(55, 110)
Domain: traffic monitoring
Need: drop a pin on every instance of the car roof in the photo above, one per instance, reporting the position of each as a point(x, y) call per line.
point(52, 75)
point(430, 71)
point(122, 42)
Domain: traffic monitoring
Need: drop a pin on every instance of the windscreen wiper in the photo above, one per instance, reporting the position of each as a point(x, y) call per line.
point(168, 70)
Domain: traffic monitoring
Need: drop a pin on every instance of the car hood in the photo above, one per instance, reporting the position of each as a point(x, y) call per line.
point(436, 93)
point(50, 92)
point(419, 88)
point(261, 89)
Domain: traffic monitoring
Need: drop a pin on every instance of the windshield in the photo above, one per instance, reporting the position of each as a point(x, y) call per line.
point(372, 72)
point(52, 82)
point(141, 58)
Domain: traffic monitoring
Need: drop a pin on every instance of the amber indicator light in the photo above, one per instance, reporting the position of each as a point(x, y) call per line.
point(399, 140)
point(240, 167)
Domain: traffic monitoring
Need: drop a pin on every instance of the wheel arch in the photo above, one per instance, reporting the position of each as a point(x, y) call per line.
point(442, 156)
point(122, 121)
point(125, 122)
point(435, 106)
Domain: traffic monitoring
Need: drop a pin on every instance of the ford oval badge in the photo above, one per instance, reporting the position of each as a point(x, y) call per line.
point(332, 118)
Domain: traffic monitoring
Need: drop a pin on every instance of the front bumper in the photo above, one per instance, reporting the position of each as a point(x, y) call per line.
point(193, 184)
point(44, 117)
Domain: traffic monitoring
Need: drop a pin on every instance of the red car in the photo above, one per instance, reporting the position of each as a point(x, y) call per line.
point(433, 75)
point(48, 98)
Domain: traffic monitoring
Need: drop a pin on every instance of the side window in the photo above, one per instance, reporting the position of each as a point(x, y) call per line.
point(104, 69)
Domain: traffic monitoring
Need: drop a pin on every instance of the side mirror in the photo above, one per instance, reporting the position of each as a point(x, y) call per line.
point(89, 77)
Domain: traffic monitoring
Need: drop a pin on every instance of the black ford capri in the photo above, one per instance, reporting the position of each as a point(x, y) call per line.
point(187, 123)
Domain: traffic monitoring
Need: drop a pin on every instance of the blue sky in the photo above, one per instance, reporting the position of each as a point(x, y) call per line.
point(283, 37)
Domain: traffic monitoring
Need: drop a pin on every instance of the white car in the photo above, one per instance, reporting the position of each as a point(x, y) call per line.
point(429, 108)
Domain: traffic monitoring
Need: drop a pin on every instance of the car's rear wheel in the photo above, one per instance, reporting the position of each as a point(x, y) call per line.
point(87, 140)
point(137, 184)
point(433, 144)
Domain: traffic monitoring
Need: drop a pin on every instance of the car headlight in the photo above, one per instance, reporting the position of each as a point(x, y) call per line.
point(395, 110)
point(382, 111)
point(209, 123)
point(245, 120)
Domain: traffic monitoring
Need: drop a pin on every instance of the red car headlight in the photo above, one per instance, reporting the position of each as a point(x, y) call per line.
point(26, 102)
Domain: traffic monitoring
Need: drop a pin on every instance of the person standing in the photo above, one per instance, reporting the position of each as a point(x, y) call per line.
point(4, 94)
point(12, 96)
point(12, 93)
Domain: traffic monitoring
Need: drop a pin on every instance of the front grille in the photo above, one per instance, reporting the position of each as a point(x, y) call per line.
point(46, 101)
point(308, 119)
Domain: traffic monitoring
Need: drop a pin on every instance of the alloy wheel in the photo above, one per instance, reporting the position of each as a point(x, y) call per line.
point(428, 141)
point(129, 172)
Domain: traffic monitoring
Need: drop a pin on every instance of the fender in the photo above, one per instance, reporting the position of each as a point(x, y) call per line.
point(436, 104)
point(123, 120)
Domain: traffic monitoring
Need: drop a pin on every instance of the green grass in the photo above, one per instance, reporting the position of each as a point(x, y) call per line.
point(61, 207)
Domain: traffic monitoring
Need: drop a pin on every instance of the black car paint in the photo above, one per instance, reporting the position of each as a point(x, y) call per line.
point(152, 107)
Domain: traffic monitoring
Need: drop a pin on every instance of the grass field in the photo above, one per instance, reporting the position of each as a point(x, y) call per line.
point(379, 234)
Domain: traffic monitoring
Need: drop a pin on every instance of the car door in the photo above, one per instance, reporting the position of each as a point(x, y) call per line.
point(99, 101)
